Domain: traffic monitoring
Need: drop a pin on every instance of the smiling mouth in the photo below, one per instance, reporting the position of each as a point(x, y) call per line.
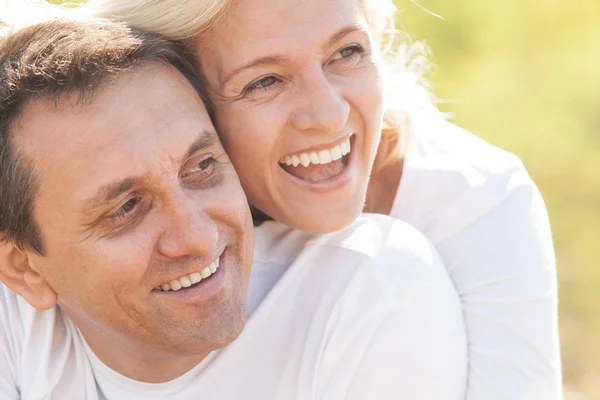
point(318, 166)
point(191, 280)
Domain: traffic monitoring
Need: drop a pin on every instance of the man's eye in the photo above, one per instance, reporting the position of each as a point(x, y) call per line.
point(204, 167)
point(200, 171)
point(261, 84)
point(126, 208)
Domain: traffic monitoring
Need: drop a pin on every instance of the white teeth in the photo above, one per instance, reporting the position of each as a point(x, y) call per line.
point(214, 266)
point(192, 279)
point(336, 153)
point(324, 157)
point(195, 278)
point(345, 147)
point(175, 285)
point(304, 159)
point(295, 161)
point(205, 273)
point(321, 157)
point(185, 282)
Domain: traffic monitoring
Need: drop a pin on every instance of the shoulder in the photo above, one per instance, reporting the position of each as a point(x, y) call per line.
point(13, 312)
point(457, 157)
point(22, 326)
point(376, 245)
point(382, 256)
point(360, 273)
point(377, 258)
point(32, 342)
point(452, 178)
point(11, 346)
point(18, 318)
point(397, 308)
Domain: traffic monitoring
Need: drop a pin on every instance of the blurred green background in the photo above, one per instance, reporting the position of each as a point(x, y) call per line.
point(525, 75)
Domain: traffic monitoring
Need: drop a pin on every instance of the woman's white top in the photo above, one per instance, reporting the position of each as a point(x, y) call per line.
point(365, 313)
point(487, 220)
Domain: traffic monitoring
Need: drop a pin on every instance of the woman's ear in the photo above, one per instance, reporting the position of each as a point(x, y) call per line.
point(17, 274)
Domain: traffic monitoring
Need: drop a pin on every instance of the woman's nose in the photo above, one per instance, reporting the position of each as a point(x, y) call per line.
point(322, 106)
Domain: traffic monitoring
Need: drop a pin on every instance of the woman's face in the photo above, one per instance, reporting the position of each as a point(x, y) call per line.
point(298, 104)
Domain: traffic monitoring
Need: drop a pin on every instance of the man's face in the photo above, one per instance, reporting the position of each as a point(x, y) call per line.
point(136, 193)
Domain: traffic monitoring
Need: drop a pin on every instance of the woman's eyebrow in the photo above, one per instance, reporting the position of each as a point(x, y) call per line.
point(337, 36)
point(257, 62)
point(279, 59)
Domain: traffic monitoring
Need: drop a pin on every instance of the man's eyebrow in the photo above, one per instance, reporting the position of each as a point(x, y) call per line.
point(111, 191)
point(205, 140)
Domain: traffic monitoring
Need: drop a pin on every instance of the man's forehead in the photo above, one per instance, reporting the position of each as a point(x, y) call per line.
point(144, 103)
point(148, 117)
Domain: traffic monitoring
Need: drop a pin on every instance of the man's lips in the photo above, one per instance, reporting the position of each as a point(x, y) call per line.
point(190, 280)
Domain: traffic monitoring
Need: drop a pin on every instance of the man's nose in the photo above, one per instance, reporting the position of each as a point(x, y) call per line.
point(189, 231)
point(322, 105)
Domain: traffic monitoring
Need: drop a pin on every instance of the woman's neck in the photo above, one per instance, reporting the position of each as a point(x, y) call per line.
point(387, 168)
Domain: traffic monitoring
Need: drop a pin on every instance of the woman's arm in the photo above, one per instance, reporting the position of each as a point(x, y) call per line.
point(417, 352)
point(398, 332)
point(503, 267)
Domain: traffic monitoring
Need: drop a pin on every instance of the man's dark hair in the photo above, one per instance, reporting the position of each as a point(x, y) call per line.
point(54, 60)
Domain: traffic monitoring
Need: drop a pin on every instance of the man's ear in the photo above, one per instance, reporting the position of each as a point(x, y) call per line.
point(18, 275)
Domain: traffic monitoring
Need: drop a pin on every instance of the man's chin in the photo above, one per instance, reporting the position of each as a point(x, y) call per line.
point(227, 337)
point(218, 333)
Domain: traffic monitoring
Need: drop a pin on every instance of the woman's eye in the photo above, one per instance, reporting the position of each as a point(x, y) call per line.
point(349, 52)
point(261, 83)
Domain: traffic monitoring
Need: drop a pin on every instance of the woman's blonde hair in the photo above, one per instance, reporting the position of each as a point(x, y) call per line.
point(404, 63)
point(175, 19)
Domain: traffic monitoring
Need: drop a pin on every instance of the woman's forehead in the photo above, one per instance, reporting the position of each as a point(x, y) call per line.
point(247, 19)
point(274, 26)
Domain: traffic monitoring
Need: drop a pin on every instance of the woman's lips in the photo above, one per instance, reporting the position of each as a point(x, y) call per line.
point(318, 172)
point(318, 166)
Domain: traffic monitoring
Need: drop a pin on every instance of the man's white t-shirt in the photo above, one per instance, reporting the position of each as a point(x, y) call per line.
point(368, 312)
